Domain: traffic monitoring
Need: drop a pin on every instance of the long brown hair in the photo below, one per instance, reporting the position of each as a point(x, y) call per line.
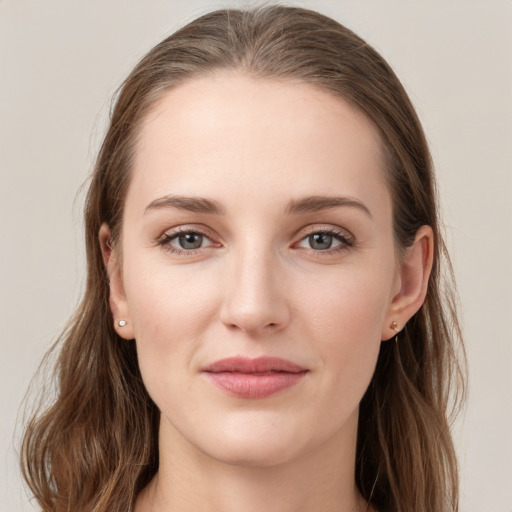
point(95, 447)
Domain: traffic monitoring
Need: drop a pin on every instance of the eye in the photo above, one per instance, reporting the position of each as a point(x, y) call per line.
point(188, 241)
point(325, 240)
point(184, 241)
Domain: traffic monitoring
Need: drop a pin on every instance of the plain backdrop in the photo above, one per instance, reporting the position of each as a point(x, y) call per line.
point(60, 62)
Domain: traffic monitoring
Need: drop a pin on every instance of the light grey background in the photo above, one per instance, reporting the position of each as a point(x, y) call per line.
point(60, 62)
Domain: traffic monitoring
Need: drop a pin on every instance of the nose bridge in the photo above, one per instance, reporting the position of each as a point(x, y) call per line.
point(255, 299)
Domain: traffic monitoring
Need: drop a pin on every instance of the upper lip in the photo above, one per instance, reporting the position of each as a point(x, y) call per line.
point(258, 365)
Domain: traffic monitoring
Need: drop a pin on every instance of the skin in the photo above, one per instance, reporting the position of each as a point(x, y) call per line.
point(258, 285)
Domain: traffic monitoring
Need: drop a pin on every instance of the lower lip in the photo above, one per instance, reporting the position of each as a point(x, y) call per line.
point(250, 385)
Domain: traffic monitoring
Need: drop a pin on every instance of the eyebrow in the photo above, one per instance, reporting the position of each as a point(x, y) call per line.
point(295, 206)
point(191, 204)
point(318, 203)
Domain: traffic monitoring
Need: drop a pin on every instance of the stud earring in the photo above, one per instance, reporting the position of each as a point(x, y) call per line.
point(121, 323)
point(394, 326)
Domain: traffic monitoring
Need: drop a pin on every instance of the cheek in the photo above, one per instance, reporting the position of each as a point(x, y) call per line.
point(346, 316)
point(166, 300)
point(170, 309)
point(350, 304)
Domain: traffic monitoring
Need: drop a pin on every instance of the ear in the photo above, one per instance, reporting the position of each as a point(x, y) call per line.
point(414, 273)
point(117, 297)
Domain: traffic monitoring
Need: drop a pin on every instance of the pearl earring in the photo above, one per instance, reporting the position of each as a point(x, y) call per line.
point(121, 323)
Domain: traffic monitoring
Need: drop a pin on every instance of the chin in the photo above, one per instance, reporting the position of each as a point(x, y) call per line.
point(254, 442)
point(251, 454)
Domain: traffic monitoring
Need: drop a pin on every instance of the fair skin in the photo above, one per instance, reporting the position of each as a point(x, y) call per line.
point(251, 279)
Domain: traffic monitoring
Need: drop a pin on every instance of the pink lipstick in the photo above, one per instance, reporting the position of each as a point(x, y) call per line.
point(254, 378)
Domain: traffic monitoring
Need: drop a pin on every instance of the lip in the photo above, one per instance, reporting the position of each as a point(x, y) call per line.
point(254, 378)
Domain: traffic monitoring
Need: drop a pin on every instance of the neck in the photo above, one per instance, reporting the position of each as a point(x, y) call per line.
point(320, 479)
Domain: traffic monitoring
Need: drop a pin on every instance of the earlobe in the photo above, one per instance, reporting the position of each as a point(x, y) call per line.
point(414, 276)
point(117, 296)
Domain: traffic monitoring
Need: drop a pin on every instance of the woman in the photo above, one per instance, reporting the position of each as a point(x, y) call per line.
point(264, 324)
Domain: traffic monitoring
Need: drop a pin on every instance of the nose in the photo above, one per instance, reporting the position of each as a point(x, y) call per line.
point(255, 299)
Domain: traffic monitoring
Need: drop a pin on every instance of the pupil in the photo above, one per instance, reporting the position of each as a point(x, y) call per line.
point(191, 240)
point(320, 241)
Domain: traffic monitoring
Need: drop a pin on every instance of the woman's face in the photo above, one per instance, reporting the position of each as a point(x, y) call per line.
point(257, 224)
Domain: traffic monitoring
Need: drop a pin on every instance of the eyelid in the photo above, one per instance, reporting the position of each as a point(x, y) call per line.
point(188, 228)
point(325, 228)
point(313, 228)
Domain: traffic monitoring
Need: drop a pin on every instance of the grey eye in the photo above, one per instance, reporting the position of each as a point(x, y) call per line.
point(185, 241)
point(325, 240)
point(320, 241)
point(190, 240)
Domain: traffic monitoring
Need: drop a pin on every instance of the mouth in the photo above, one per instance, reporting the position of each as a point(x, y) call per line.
point(254, 378)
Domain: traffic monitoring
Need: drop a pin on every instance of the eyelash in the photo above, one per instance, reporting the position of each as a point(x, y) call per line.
point(346, 240)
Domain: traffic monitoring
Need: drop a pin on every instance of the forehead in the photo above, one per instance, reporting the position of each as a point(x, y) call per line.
point(226, 130)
